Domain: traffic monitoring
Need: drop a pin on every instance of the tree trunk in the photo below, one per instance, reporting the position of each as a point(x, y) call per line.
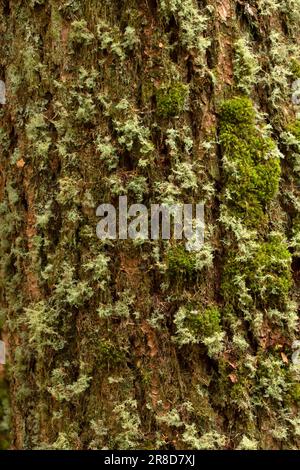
point(143, 344)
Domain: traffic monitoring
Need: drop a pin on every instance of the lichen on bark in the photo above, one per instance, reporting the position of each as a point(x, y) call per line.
point(126, 345)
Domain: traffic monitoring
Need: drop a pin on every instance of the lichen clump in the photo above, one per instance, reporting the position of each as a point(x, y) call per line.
point(266, 273)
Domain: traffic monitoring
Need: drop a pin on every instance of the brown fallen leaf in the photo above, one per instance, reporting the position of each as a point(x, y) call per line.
point(20, 163)
point(233, 378)
point(284, 358)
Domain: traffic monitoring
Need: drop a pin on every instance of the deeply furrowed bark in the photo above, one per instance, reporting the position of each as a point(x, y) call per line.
point(141, 345)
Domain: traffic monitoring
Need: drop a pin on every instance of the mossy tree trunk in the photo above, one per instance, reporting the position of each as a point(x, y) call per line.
point(145, 345)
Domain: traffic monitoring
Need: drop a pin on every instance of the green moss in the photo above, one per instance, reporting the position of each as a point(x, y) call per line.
point(181, 263)
point(245, 66)
point(250, 162)
point(295, 68)
point(239, 392)
point(294, 128)
point(110, 354)
point(82, 96)
point(206, 322)
point(147, 91)
point(80, 33)
point(195, 324)
point(147, 376)
point(171, 100)
point(295, 392)
point(237, 111)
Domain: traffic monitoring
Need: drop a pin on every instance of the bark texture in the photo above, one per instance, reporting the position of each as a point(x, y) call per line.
point(144, 345)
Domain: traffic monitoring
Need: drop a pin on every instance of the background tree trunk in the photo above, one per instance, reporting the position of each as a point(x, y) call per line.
point(143, 344)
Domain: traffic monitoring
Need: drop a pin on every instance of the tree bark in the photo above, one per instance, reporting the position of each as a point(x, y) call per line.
point(145, 345)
